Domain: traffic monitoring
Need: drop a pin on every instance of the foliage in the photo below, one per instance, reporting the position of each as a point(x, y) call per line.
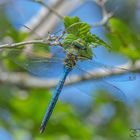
point(123, 39)
point(78, 31)
point(22, 109)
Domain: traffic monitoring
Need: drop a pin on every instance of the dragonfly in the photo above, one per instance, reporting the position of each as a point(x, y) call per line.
point(67, 63)
point(69, 58)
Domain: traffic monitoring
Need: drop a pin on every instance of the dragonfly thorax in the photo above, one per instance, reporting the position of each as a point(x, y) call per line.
point(70, 61)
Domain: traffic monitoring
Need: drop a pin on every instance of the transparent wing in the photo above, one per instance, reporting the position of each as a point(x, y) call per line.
point(87, 77)
point(48, 66)
point(111, 73)
point(91, 75)
point(83, 83)
point(19, 12)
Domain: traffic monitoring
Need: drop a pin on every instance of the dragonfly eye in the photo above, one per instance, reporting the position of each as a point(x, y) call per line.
point(79, 46)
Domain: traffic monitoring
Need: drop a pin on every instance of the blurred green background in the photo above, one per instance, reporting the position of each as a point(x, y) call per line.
point(22, 109)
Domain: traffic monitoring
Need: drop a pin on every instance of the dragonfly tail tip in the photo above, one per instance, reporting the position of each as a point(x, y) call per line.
point(41, 130)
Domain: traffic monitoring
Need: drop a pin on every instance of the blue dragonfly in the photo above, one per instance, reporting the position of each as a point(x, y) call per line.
point(69, 58)
point(68, 64)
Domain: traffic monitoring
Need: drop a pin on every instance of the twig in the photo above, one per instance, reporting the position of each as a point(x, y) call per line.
point(106, 15)
point(14, 45)
point(104, 20)
point(46, 21)
point(41, 41)
point(60, 36)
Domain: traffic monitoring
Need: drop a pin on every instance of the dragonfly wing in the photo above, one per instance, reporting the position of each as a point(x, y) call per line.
point(88, 87)
point(125, 74)
point(50, 66)
point(113, 90)
point(19, 12)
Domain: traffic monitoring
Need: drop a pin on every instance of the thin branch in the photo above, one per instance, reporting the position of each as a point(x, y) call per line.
point(104, 20)
point(41, 41)
point(28, 81)
point(46, 21)
point(14, 45)
point(49, 8)
point(106, 15)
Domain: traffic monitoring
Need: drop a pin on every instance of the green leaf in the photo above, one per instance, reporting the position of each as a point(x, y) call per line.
point(68, 21)
point(121, 29)
point(96, 41)
point(79, 33)
point(76, 27)
point(86, 54)
point(123, 39)
point(69, 39)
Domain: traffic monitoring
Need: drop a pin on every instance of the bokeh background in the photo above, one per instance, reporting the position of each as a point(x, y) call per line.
point(76, 116)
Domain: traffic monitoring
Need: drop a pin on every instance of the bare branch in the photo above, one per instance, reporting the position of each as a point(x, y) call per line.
point(49, 8)
point(51, 41)
point(27, 81)
point(14, 45)
point(106, 15)
point(46, 21)
point(104, 20)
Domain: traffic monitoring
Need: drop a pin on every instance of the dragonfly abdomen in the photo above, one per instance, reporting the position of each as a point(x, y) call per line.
point(54, 99)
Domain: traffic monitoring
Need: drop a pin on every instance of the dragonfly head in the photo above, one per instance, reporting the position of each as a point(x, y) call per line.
point(79, 50)
point(79, 44)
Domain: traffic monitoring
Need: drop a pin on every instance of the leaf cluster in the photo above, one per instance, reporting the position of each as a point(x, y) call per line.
point(123, 39)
